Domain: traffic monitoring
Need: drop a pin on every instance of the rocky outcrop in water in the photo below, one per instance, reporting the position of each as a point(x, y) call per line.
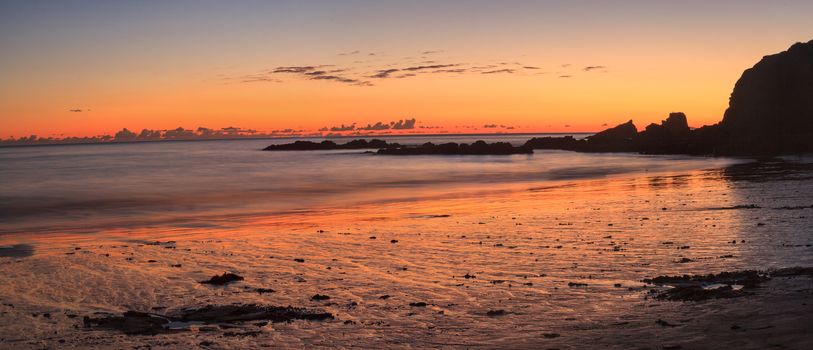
point(451, 148)
point(227, 316)
point(330, 145)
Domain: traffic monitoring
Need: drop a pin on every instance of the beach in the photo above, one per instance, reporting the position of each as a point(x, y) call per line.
point(522, 253)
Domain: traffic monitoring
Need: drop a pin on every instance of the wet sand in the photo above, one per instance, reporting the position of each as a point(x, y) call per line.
point(550, 265)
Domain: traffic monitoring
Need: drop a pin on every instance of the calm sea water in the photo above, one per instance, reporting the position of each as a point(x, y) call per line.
point(95, 187)
point(558, 241)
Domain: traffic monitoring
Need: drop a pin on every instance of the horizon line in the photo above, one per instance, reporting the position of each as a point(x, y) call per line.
point(287, 137)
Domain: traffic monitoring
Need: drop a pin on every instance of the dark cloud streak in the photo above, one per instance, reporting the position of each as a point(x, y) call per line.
point(499, 71)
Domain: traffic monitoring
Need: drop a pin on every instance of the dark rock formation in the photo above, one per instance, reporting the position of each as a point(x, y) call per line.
point(717, 286)
point(225, 278)
point(141, 323)
point(617, 139)
point(770, 113)
point(671, 136)
point(330, 145)
point(250, 312)
point(626, 131)
point(477, 148)
point(17, 251)
point(771, 108)
point(130, 323)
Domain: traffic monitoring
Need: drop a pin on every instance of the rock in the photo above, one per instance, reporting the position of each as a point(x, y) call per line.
point(223, 279)
point(663, 323)
point(493, 313)
point(140, 323)
point(330, 145)
point(792, 271)
point(671, 136)
point(17, 251)
point(451, 148)
point(250, 312)
point(567, 143)
point(626, 131)
point(711, 286)
point(242, 334)
point(770, 110)
point(746, 278)
point(130, 323)
point(616, 139)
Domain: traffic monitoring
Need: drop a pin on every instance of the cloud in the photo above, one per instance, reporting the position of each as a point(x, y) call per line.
point(388, 73)
point(434, 66)
point(344, 127)
point(364, 73)
point(76, 110)
point(431, 52)
point(404, 124)
point(384, 73)
point(458, 70)
point(259, 78)
point(376, 126)
point(490, 126)
point(589, 68)
point(293, 69)
point(565, 76)
point(311, 73)
point(337, 78)
point(498, 71)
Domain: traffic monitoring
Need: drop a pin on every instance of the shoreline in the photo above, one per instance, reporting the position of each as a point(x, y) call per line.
point(558, 260)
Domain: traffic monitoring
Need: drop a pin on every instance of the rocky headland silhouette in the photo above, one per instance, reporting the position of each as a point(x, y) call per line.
point(770, 112)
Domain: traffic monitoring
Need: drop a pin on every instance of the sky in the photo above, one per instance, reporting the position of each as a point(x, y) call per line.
point(83, 68)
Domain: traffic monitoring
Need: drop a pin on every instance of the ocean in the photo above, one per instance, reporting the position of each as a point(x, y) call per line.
point(90, 188)
point(548, 250)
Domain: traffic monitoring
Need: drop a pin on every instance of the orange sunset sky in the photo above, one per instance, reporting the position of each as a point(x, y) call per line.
point(81, 68)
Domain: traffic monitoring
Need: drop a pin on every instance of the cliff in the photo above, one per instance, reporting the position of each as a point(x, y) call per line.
point(770, 110)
